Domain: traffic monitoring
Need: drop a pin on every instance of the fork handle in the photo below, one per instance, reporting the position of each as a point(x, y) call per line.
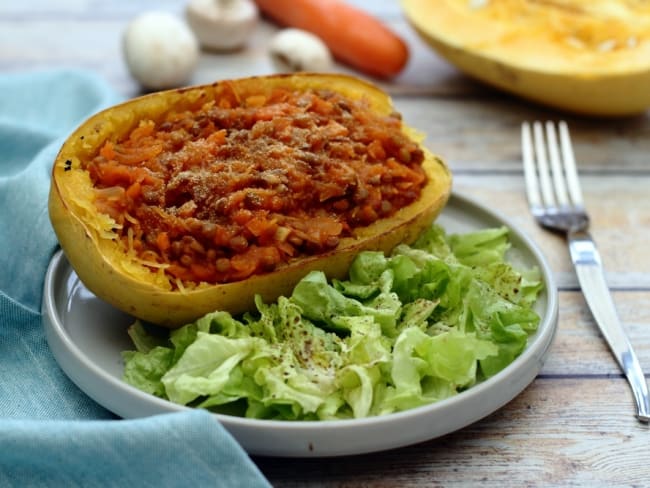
point(589, 268)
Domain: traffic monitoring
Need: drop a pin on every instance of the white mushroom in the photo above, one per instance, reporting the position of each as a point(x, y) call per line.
point(222, 24)
point(299, 50)
point(160, 50)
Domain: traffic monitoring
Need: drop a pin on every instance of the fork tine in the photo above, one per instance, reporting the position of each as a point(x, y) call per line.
point(556, 166)
point(530, 173)
point(548, 196)
point(570, 166)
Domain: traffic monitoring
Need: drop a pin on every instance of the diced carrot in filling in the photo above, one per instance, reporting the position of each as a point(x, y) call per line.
point(242, 185)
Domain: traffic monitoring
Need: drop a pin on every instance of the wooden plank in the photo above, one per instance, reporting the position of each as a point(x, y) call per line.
point(477, 132)
point(620, 229)
point(547, 436)
point(32, 25)
point(579, 348)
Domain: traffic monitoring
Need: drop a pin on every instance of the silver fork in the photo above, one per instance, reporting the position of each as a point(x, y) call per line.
point(555, 200)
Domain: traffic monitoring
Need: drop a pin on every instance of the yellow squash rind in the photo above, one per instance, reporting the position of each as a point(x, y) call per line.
point(590, 58)
point(103, 268)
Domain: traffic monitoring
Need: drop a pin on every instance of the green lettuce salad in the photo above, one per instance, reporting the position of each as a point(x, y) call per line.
point(405, 330)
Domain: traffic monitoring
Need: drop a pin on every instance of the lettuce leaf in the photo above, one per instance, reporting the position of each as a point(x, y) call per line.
point(405, 330)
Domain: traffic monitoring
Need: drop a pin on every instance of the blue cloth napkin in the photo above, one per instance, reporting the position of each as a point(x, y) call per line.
point(51, 433)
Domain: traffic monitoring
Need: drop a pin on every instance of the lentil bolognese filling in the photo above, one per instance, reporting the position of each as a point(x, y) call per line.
point(241, 185)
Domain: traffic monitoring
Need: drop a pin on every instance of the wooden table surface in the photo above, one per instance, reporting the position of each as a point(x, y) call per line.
point(574, 425)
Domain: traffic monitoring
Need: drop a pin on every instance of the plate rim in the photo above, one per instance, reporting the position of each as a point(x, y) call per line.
point(78, 365)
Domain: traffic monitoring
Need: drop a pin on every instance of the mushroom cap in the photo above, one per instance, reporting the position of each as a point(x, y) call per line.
point(160, 50)
point(294, 49)
point(220, 24)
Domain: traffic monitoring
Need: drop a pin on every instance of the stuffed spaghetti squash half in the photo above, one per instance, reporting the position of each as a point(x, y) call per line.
point(182, 202)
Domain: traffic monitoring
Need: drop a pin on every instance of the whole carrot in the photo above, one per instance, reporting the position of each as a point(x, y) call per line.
point(354, 36)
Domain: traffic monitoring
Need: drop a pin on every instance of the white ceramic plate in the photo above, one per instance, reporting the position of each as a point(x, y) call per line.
point(87, 337)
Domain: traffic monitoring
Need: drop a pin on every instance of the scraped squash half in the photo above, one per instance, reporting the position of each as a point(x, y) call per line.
point(183, 202)
point(589, 57)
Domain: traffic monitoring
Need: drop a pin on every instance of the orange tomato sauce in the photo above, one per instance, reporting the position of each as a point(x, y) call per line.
point(241, 186)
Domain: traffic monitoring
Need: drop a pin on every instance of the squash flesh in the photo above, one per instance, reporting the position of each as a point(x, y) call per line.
point(587, 57)
point(85, 235)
